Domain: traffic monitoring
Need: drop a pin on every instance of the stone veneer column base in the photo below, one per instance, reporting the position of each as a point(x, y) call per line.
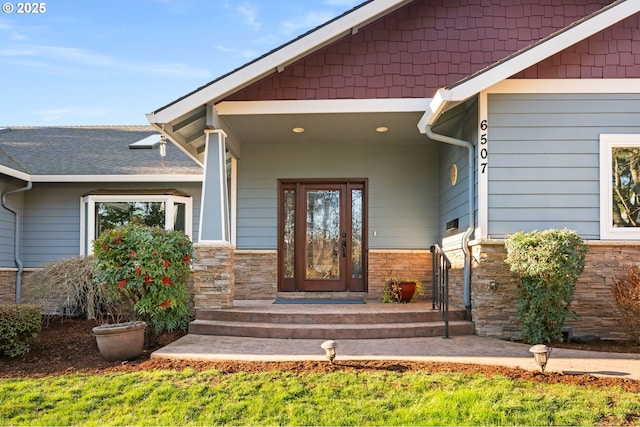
point(213, 276)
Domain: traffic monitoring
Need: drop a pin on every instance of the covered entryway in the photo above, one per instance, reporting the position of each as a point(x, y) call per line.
point(322, 235)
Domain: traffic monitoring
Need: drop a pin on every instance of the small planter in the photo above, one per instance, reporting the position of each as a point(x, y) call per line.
point(406, 290)
point(401, 290)
point(120, 341)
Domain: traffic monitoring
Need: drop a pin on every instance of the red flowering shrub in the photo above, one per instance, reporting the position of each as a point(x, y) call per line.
point(150, 269)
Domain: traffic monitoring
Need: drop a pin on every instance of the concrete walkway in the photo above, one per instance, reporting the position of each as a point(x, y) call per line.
point(461, 349)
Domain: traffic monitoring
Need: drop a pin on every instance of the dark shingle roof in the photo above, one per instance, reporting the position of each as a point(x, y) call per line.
point(89, 151)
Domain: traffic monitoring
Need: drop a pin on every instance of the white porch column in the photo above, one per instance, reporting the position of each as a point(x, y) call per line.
point(214, 212)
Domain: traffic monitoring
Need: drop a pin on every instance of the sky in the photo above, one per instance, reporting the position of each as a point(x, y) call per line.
point(109, 62)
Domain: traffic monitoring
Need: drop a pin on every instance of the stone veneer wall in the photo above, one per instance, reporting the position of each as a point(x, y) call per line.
point(256, 274)
point(402, 264)
point(495, 310)
point(8, 285)
point(213, 276)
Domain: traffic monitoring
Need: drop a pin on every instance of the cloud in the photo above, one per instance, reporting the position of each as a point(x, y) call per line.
point(345, 3)
point(310, 20)
point(70, 114)
point(250, 13)
point(243, 53)
point(71, 60)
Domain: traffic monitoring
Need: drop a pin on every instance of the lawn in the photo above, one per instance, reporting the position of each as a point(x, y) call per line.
point(212, 397)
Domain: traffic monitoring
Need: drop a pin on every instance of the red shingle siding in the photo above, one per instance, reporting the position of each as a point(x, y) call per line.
point(612, 53)
point(433, 43)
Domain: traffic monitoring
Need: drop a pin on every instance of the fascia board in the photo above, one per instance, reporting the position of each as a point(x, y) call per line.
point(117, 178)
point(281, 57)
point(327, 106)
point(14, 173)
point(436, 106)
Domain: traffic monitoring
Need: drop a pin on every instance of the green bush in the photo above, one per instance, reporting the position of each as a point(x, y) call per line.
point(547, 265)
point(150, 269)
point(19, 324)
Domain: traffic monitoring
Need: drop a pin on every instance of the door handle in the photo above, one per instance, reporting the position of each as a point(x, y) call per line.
point(344, 248)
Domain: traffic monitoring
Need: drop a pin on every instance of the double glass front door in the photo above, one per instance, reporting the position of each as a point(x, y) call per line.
point(322, 236)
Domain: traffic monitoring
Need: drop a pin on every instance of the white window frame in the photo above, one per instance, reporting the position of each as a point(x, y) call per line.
point(88, 217)
point(607, 230)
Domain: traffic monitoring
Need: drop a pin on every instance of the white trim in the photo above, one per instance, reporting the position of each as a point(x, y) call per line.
point(220, 145)
point(88, 226)
point(323, 106)
point(115, 178)
point(233, 200)
point(483, 178)
point(14, 173)
point(566, 86)
point(279, 58)
point(607, 231)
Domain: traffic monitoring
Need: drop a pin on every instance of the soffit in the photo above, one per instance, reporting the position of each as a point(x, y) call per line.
point(342, 128)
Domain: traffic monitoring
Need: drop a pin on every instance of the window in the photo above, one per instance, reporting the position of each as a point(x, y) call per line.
point(105, 212)
point(619, 186)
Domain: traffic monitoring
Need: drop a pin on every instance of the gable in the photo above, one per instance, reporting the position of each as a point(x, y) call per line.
point(611, 53)
point(417, 49)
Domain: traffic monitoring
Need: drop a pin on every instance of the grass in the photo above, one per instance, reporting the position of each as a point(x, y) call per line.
point(211, 397)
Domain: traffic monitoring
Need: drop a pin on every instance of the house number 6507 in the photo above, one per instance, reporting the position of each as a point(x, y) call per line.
point(484, 153)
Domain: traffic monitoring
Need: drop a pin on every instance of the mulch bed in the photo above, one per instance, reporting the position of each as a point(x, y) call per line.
point(68, 346)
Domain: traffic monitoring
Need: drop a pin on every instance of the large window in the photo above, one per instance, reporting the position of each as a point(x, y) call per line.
point(619, 186)
point(105, 212)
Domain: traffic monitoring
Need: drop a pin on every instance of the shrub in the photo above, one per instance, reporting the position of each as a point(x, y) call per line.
point(626, 290)
point(547, 265)
point(150, 269)
point(19, 324)
point(66, 288)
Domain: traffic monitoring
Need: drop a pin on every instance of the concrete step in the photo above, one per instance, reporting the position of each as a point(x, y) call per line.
point(330, 315)
point(263, 319)
point(330, 331)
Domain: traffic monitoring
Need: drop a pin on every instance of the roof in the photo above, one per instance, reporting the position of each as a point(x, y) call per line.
point(90, 153)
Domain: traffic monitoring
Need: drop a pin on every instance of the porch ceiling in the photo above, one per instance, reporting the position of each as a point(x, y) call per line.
point(329, 128)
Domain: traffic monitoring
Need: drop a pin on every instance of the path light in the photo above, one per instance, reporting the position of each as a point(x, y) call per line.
point(541, 354)
point(330, 347)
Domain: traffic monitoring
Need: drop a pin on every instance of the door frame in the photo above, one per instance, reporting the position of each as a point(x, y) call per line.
point(289, 284)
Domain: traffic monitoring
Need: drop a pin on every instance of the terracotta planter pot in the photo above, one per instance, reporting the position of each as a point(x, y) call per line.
point(120, 341)
point(407, 290)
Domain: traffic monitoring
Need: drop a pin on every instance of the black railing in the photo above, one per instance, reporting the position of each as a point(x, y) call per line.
point(440, 285)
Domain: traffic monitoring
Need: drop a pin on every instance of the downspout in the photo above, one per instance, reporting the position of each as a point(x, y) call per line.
point(467, 234)
point(16, 241)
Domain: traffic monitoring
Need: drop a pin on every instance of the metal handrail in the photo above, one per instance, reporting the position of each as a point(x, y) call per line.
point(440, 284)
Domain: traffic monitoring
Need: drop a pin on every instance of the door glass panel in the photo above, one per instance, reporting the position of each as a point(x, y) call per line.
point(289, 233)
point(356, 234)
point(323, 235)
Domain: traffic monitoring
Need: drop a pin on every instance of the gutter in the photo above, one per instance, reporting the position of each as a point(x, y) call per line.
point(467, 234)
point(16, 242)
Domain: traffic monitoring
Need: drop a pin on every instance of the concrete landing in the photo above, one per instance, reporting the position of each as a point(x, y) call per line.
point(460, 349)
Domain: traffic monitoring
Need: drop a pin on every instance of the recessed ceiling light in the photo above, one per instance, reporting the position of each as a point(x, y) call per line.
point(297, 130)
point(381, 129)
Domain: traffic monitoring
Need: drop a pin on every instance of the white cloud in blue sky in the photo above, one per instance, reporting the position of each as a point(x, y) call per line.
point(116, 60)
